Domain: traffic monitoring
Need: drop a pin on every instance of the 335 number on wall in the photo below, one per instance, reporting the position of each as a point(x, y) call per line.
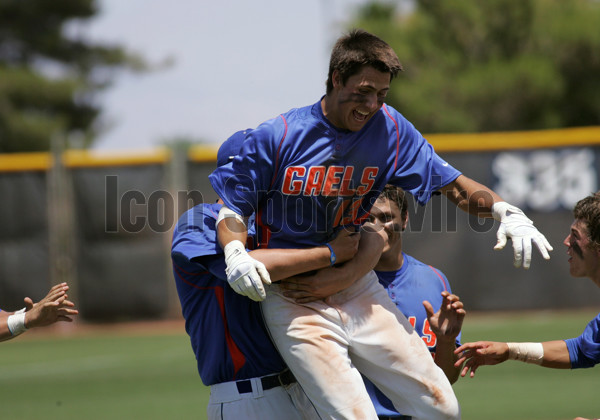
point(545, 180)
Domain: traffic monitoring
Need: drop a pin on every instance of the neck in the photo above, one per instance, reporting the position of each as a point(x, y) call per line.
point(391, 260)
point(327, 107)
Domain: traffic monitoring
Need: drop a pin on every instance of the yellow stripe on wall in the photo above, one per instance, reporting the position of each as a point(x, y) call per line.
point(203, 153)
point(42, 161)
point(475, 142)
point(17, 162)
point(86, 159)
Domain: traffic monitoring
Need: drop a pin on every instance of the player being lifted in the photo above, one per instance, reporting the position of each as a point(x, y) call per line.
point(312, 171)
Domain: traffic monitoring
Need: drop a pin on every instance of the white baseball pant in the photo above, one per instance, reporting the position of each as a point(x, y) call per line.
point(326, 343)
point(282, 402)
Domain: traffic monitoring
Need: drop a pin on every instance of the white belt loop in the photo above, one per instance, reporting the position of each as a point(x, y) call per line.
point(224, 392)
point(257, 389)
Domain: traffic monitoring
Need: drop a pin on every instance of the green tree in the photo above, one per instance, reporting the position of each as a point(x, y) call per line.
point(49, 80)
point(493, 65)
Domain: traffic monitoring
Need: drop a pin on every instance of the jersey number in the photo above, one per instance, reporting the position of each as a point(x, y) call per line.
point(426, 334)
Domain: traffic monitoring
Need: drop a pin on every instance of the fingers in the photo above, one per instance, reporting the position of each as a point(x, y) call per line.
point(501, 239)
point(246, 286)
point(543, 246)
point(527, 248)
point(255, 289)
point(263, 273)
point(28, 304)
point(428, 308)
point(57, 291)
point(518, 252)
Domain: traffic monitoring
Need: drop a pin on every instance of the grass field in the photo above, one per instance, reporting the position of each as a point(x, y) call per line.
point(150, 373)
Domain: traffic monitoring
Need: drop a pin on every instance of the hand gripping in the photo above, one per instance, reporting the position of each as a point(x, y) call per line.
point(245, 274)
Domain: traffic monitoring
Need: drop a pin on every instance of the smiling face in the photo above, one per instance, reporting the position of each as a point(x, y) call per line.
point(349, 106)
point(584, 255)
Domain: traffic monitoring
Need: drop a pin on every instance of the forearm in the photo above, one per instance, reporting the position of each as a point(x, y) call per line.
point(556, 355)
point(365, 260)
point(12, 324)
point(4, 331)
point(284, 263)
point(445, 359)
point(471, 196)
point(230, 228)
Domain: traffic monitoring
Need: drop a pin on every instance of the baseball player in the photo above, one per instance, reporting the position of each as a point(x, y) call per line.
point(235, 355)
point(414, 287)
point(53, 308)
point(583, 248)
point(312, 171)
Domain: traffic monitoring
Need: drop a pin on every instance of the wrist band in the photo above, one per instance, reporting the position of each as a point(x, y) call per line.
point(16, 323)
point(526, 352)
point(332, 257)
point(226, 213)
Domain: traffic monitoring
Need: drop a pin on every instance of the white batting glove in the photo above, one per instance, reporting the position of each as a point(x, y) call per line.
point(245, 274)
point(514, 224)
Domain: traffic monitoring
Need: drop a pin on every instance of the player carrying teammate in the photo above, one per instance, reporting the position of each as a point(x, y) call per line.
point(235, 356)
point(583, 248)
point(310, 172)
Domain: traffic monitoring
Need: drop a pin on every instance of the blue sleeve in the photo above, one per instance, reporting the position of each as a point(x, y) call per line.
point(584, 351)
point(419, 169)
point(195, 234)
point(245, 181)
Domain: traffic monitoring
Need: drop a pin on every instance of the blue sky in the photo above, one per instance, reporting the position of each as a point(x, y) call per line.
point(236, 64)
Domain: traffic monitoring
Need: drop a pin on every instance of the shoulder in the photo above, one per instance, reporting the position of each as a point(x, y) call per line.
point(277, 127)
point(395, 117)
point(195, 233)
point(198, 218)
point(427, 271)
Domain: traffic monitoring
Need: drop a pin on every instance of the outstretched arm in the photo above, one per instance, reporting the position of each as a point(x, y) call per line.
point(551, 354)
point(53, 308)
point(479, 200)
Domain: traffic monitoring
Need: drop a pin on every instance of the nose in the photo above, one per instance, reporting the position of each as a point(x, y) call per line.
point(566, 242)
point(372, 102)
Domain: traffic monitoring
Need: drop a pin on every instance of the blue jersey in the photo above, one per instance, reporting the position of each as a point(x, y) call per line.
point(408, 287)
point(226, 329)
point(584, 351)
point(304, 177)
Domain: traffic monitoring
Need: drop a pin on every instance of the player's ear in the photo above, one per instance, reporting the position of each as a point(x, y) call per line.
point(404, 221)
point(336, 79)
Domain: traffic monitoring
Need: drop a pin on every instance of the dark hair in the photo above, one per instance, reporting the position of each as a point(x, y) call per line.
point(588, 210)
point(358, 49)
point(397, 196)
